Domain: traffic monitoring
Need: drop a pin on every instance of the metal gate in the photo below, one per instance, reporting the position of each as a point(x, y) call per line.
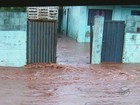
point(113, 40)
point(41, 41)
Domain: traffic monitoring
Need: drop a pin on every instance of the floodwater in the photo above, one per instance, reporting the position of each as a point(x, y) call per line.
point(68, 83)
point(71, 52)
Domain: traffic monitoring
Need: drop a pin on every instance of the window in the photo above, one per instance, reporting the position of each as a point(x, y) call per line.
point(101, 12)
point(134, 12)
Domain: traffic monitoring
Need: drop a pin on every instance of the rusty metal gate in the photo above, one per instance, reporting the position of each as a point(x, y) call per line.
point(41, 41)
point(113, 41)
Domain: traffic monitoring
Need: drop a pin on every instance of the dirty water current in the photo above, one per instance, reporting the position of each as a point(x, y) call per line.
point(70, 82)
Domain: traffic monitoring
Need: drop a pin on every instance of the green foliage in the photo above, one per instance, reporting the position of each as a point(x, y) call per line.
point(12, 9)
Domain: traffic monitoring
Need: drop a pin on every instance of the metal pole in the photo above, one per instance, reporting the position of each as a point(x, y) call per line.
point(91, 40)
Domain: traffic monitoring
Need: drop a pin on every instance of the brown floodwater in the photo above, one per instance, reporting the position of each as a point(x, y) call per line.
point(72, 81)
point(71, 52)
point(56, 84)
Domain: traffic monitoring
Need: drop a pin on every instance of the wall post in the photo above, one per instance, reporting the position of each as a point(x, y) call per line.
point(97, 39)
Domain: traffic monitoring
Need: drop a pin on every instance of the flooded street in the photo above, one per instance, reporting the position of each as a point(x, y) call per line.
point(73, 81)
point(42, 84)
point(71, 52)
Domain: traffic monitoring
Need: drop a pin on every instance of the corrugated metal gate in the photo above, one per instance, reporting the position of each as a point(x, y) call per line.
point(41, 41)
point(113, 40)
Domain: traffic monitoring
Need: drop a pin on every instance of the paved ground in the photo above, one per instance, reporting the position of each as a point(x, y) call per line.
point(75, 84)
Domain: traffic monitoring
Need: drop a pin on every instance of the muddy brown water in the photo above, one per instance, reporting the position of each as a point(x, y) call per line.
point(71, 52)
point(56, 84)
point(72, 81)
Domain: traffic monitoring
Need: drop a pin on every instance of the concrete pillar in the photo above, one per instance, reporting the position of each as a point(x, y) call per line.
point(97, 39)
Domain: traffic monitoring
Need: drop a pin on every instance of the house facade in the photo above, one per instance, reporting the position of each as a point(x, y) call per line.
point(76, 19)
point(76, 24)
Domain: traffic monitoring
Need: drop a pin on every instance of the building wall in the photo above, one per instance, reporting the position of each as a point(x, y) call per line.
point(84, 31)
point(132, 23)
point(74, 21)
point(13, 39)
point(131, 53)
point(13, 21)
point(78, 27)
point(12, 48)
point(64, 21)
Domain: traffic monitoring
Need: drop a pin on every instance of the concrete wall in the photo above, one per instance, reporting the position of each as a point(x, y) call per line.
point(13, 39)
point(13, 21)
point(64, 21)
point(12, 48)
point(74, 21)
point(132, 23)
point(97, 39)
point(78, 28)
point(131, 52)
